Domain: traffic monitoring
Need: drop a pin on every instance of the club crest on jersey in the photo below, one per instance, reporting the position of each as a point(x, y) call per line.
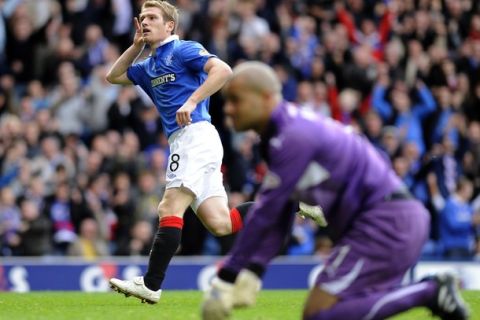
point(165, 78)
point(168, 59)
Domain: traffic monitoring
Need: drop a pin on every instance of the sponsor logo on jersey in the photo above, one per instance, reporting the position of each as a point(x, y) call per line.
point(169, 77)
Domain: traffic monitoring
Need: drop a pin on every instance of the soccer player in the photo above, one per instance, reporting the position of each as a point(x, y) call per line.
point(377, 227)
point(179, 76)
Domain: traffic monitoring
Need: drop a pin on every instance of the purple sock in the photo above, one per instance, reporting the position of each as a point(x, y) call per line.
point(380, 305)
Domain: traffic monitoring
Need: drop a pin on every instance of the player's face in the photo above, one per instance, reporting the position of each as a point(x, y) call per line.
point(154, 29)
point(243, 105)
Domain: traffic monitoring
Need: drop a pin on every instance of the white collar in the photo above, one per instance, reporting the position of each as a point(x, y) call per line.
point(169, 39)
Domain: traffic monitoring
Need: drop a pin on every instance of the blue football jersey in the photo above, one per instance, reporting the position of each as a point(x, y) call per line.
point(170, 76)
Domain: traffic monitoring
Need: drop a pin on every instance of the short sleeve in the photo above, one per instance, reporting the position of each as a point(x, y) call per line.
point(193, 55)
point(134, 73)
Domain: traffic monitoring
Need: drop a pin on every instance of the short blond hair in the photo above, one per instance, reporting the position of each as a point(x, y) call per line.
point(169, 11)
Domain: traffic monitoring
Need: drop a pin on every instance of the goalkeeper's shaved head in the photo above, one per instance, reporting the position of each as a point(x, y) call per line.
point(251, 95)
point(258, 76)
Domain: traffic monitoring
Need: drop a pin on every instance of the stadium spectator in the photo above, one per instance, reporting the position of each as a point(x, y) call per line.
point(445, 124)
point(90, 244)
point(471, 102)
point(368, 34)
point(22, 44)
point(10, 222)
point(139, 241)
point(417, 170)
point(402, 112)
point(100, 95)
point(373, 128)
point(95, 45)
point(302, 45)
point(473, 142)
point(358, 223)
point(59, 209)
point(149, 195)
point(36, 191)
point(458, 222)
point(34, 231)
point(445, 167)
point(123, 15)
point(97, 198)
point(123, 203)
point(121, 114)
point(67, 104)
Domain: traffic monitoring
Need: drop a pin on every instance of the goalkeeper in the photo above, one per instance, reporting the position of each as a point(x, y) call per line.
point(377, 227)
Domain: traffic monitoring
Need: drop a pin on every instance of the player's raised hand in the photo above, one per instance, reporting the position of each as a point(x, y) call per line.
point(138, 38)
point(183, 116)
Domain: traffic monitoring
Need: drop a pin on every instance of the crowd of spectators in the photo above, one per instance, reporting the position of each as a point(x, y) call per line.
point(82, 161)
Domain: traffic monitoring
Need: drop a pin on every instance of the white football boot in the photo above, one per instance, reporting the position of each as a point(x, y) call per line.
point(136, 288)
point(313, 212)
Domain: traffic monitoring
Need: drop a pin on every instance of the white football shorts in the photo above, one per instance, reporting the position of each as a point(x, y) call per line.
point(195, 161)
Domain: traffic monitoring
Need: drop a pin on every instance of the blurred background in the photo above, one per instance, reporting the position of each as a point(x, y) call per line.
point(82, 162)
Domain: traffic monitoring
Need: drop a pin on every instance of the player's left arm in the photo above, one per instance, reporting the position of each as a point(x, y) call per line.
point(218, 72)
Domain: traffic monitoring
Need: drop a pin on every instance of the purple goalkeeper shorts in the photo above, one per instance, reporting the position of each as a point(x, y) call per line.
point(375, 254)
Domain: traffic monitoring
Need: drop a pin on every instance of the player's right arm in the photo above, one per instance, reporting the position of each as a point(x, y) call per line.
point(263, 234)
point(118, 72)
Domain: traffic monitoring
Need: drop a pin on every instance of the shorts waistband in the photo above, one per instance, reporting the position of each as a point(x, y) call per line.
point(202, 123)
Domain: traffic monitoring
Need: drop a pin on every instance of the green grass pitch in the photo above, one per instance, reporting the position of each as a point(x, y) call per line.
point(181, 305)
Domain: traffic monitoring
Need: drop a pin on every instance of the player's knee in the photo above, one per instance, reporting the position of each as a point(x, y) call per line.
point(219, 228)
point(166, 209)
point(319, 312)
point(319, 304)
point(310, 313)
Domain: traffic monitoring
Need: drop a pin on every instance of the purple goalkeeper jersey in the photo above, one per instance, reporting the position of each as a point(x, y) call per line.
point(318, 161)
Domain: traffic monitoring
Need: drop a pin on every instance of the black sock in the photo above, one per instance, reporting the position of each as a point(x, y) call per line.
point(256, 268)
point(164, 247)
point(227, 275)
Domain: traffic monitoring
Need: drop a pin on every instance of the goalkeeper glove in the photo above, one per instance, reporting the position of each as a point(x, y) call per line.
point(247, 286)
point(218, 300)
